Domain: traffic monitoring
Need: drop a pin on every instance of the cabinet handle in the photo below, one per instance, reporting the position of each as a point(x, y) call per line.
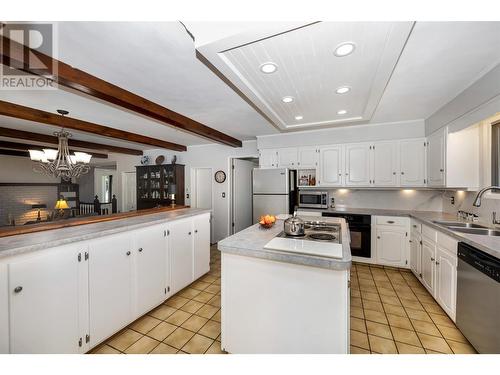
point(402, 173)
point(140, 249)
point(340, 174)
point(432, 259)
point(18, 289)
point(347, 174)
point(390, 221)
point(441, 170)
point(437, 263)
point(128, 253)
point(378, 237)
point(196, 231)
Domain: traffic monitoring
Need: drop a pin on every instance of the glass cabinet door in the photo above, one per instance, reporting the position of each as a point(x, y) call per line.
point(143, 184)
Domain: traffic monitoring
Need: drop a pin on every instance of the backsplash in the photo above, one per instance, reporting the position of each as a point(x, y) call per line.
point(464, 200)
point(419, 200)
point(16, 201)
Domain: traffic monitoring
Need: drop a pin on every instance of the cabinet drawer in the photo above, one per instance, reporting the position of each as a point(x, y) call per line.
point(396, 221)
point(430, 233)
point(415, 226)
point(446, 242)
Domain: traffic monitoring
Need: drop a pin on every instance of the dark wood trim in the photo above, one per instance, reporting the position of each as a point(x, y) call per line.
point(39, 116)
point(29, 184)
point(66, 223)
point(14, 153)
point(26, 147)
point(29, 136)
point(12, 54)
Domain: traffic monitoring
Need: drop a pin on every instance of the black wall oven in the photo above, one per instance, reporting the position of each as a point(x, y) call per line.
point(361, 232)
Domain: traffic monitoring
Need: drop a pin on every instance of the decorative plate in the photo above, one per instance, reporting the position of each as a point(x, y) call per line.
point(159, 160)
point(145, 160)
point(220, 176)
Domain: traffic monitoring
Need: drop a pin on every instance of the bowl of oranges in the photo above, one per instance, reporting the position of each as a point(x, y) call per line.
point(267, 221)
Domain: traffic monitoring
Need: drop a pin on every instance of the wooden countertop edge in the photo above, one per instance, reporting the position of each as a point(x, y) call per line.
point(13, 231)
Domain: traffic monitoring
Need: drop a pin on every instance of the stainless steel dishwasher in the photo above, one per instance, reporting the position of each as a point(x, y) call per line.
point(478, 298)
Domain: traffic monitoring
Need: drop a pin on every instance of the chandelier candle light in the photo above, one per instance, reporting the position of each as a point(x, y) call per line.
point(60, 163)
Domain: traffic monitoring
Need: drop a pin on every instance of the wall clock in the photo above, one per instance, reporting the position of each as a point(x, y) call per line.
point(220, 177)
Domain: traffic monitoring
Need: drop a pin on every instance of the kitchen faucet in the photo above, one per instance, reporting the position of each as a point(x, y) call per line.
point(477, 201)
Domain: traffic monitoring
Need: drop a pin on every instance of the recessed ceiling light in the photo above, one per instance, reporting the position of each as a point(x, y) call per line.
point(268, 67)
point(342, 112)
point(299, 117)
point(343, 90)
point(344, 49)
point(287, 99)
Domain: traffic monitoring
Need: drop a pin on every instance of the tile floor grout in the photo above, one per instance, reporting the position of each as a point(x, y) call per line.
point(367, 284)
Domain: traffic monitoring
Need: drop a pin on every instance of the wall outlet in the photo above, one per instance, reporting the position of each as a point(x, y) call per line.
point(452, 200)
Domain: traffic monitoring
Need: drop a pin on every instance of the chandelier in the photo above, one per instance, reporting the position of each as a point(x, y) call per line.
point(60, 163)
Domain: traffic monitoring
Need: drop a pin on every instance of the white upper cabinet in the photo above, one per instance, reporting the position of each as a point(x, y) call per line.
point(308, 157)
point(268, 158)
point(110, 285)
point(287, 158)
point(150, 246)
point(331, 166)
point(412, 162)
point(357, 162)
point(385, 164)
point(436, 158)
point(46, 292)
point(201, 245)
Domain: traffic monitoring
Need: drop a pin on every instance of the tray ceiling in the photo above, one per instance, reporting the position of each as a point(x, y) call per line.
point(308, 70)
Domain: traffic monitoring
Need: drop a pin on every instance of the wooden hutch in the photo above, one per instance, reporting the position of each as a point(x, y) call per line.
point(156, 182)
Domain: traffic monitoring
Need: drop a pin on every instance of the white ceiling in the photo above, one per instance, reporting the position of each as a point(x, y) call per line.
point(157, 61)
point(439, 60)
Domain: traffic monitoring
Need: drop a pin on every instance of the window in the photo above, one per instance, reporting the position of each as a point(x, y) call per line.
point(107, 188)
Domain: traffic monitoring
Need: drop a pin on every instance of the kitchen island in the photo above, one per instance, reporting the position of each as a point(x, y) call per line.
point(283, 302)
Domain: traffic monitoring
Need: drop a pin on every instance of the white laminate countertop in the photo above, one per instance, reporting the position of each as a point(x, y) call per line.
point(488, 244)
point(25, 243)
point(251, 241)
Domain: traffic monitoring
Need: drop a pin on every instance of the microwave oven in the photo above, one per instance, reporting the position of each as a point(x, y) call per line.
point(313, 199)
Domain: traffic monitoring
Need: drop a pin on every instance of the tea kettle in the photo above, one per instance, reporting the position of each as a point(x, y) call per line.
point(294, 226)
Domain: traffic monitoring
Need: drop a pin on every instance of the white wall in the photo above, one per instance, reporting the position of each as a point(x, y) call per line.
point(217, 157)
point(418, 200)
point(464, 200)
point(19, 169)
point(346, 134)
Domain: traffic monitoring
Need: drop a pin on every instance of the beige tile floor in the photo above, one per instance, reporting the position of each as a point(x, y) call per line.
point(391, 312)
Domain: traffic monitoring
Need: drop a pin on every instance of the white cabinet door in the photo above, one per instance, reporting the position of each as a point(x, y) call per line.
point(4, 309)
point(110, 285)
point(287, 158)
point(331, 166)
point(416, 255)
point(428, 265)
point(446, 281)
point(308, 157)
point(436, 158)
point(357, 161)
point(45, 299)
point(412, 162)
point(201, 245)
point(181, 250)
point(385, 164)
point(391, 246)
point(268, 158)
point(150, 245)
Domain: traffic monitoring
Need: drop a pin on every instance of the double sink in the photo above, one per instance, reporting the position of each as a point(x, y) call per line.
point(469, 228)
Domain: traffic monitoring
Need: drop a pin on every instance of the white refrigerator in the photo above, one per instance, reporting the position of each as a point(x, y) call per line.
point(274, 192)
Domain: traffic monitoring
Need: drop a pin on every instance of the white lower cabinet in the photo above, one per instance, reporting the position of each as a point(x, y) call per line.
point(201, 248)
point(416, 255)
point(152, 276)
point(428, 264)
point(110, 285)
point(446, 281)
point(181, 242)
point(46, 294)
point(391, 243)
point(4, 309)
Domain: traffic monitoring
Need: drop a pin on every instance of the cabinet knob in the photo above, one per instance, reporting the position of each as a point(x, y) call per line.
point(432, 259)
point(437, 263)
point(189, 233)
point(402, 173)
point(394, 173)
point(140, 249)
point(128, 253)
point(378, 237)
point(196, 231)
point(441, 170)
point(18, 289)
point(340, 174)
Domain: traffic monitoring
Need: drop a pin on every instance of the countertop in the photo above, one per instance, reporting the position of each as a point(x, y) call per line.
point(251, 241)
point(488, 244)
point(25, 243)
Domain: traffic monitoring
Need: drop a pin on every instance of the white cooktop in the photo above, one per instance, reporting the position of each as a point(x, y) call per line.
point(301, 246)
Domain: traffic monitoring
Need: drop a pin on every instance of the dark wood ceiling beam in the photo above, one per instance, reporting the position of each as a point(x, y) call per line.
point(39, 116)
point(44, 138)
point(26, 147)
point(12, 54)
